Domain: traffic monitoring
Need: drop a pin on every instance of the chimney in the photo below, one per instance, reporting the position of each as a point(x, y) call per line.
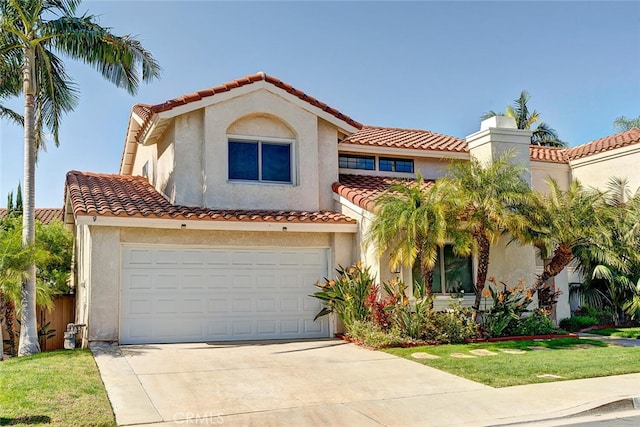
point(498, 135)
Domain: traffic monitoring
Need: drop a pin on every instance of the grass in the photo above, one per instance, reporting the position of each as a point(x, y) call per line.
point(58, 388)
point(618, 332)
point(568, 358)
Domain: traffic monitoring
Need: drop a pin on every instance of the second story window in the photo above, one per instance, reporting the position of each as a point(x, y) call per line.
point(388, 164)
point(357, 162)
point(260, 161)
point(145, 170)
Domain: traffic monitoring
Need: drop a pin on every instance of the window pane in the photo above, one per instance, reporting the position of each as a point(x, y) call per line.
point(457, 272)
point(404, 166)
point(386, 165)
point(356, 162)
point(276, 162)
point(243, 160)
point(417, 275)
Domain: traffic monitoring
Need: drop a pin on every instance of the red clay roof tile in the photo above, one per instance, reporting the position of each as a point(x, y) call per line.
point(132, 196)
point(548, 154)
point(622, 139)
point(44, 215)
point(362, 190)
point(406, 138)
point(145, 111)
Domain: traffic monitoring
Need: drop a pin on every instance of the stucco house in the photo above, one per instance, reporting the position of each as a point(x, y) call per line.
point(231, 202)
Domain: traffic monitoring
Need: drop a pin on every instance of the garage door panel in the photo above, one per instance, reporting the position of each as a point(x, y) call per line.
point(182, 295)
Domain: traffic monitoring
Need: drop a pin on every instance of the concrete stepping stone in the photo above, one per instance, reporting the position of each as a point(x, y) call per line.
point(482, 352)
point(462, 356)
point(512, 351)
point(539, 348)
point(549, 376)
point(424, 355)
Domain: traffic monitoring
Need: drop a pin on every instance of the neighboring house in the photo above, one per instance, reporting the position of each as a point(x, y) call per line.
point(44, 215)
point(231, 202)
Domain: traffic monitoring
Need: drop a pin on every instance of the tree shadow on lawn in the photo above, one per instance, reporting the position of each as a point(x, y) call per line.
point(29, 419)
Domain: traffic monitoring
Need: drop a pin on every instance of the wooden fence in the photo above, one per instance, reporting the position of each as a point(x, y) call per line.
point(63, 312)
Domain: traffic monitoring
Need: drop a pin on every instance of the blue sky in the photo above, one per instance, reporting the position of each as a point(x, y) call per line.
point(425, 65)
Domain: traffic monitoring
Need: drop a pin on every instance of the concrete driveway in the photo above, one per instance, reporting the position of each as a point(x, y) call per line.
point(325, 382)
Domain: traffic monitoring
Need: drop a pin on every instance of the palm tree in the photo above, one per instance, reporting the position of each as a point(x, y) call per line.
point(623, 123)
point(32, 32)
point(564, 223)
point(543, 134)
point(486, 199)
point(613, 280)
point(410, 222)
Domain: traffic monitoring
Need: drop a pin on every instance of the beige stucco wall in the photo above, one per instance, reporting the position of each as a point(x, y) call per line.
point(540, 171)
point(327, 163)
point(165, 163)
point(99, 273)
point(597, 169)
point(189, 174)
point(220, 193)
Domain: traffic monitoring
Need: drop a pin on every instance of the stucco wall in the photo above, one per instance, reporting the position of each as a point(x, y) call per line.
point(220, 193)
point(104, 282)
point(596, 170)
point(540, 171)
point(327, 163)
point(163, 178)
point(189, 174)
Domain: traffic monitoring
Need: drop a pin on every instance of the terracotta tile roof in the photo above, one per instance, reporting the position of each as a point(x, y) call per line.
point(132, 196)
point(607, 143)
point(362, 190)
point(145, 111)
point(44, 215)
point(406, 138)
point(548, 154)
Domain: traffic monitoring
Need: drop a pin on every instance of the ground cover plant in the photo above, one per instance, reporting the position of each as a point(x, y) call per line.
point(55, 388)
point(510, 363)
point(618, 332)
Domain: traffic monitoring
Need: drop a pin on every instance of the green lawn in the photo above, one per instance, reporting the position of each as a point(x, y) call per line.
point(59, 388)
point(568, 358)
point(617, 332)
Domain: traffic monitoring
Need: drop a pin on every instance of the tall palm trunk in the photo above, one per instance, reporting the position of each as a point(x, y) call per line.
point(484, 248)
point(562, 256)
point(28, 329)
point(9, 317)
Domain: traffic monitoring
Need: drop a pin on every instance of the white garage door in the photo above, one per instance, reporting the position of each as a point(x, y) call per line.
point(190, 295)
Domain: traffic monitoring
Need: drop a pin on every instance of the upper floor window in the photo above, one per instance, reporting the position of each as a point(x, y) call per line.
point(145, 170)
point(262, 161)
point(357, 162)
point(388, 164)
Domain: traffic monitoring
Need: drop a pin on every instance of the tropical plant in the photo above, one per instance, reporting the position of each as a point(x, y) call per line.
point(410, 223)
point(454, 325)
point(15, 260)
point(623, 123)
point(482, 203)
point(507, 307)
point(346, 295)
point(525, 119)
point(33, 33)
point(614, 280)
point(563, 223)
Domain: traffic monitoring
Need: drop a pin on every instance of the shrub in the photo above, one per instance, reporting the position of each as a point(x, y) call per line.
point(539, 323)
point(508, 306)
point(603, 315)
point(454, 325)
point(370, 334)
point(576, 323)
point(346, 295)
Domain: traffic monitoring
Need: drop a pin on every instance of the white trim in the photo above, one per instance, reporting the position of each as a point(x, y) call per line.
point(177, 224)
point(605, 155)
point(269, 140)
point(406, 152)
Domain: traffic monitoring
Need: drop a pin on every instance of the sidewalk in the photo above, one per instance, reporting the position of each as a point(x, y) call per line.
point(623, 342)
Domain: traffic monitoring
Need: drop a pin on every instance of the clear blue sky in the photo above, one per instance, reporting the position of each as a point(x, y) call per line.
point(426, 65)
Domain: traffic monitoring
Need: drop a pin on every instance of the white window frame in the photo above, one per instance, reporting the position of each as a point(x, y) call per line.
point(259, 141)
point(445, 292)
